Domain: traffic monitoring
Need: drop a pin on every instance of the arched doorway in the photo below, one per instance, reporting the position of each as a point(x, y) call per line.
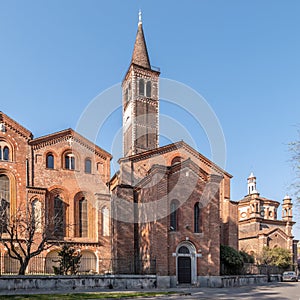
point(51, 261)
point(88, 262)
point(186, 263)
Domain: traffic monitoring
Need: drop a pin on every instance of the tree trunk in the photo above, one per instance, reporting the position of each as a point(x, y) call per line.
point(23, 266)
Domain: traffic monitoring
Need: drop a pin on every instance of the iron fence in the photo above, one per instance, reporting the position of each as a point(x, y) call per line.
point(39, 265)
point(251, 269)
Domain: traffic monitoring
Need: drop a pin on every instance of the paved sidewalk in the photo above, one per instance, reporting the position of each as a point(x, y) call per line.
point(275, 291)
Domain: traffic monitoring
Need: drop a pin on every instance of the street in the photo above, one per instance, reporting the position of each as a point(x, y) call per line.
point(275, 291)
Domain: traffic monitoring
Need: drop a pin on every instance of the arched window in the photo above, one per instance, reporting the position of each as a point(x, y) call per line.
point(141, 87)
point(174, 215)
point(175, 160)
point(36, 214)
point(83, 217)
point(105, 221)
point(70, 161)
point(59, 217)
point(198, 218)
point(5, 153)
point(183, 250)
point(4, 202)
point(148, 89)
point(50, 161)
point(88, 166)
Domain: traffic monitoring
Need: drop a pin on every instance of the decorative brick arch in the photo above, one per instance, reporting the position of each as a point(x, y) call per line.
point(12, 190)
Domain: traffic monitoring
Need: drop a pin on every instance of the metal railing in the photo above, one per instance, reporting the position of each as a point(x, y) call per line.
point(251, 269)
point(39, 265)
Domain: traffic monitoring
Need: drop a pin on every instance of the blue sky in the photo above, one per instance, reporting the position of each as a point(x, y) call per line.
point(243, 57)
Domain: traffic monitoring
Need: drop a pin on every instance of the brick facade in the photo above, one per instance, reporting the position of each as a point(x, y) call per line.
point(259, 225)
point(31, 179)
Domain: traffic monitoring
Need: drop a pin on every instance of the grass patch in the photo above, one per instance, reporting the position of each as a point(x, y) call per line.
point(91, 296)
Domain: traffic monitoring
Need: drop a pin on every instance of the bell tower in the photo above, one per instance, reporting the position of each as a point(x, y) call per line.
point(252, 184)
point(140, 93)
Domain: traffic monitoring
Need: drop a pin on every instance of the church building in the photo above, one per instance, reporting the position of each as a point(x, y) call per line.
point(259, 225)
point(166, 211)
point(169, 203)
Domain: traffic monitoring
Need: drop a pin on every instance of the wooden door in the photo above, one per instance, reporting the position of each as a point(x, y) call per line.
point(184, 269)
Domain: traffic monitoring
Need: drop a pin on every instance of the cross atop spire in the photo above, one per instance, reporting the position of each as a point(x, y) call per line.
point(140, 54)
point(140, 17)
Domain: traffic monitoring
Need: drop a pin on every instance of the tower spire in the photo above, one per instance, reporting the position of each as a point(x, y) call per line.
point(140, 90)
point(140, 55)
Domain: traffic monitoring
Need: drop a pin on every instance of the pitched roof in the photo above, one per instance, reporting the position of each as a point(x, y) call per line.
point(265, 232)
point(140, 55)
point(60, 135)
point(172, 147)
point(179, 167)
point(15, 126)
point(269, 231)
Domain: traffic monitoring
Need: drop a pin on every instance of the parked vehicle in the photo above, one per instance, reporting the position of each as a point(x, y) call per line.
point(289, 276)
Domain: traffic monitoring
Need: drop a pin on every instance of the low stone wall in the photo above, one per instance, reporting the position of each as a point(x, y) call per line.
point(82, 282)
point(218, 281)
point(29, 282)
point(231, 281)
point(244, 280)
point(275, 277)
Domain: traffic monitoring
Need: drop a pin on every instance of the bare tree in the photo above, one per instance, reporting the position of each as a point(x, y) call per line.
point(26, 233)
point(295, 159)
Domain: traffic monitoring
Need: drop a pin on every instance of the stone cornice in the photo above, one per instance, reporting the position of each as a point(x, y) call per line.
point(36, 190)
point(140, 70)
point(266, 221)
point(246, 200)
point(74, 243)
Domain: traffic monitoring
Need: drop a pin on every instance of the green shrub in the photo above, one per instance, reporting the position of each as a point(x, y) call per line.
point(69, 261)
point(231, 260)
point(247, 258)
